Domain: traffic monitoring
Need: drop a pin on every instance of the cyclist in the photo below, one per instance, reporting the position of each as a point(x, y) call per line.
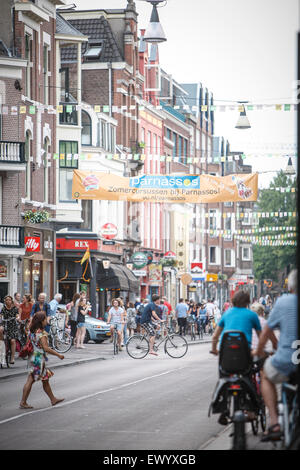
point(240, 318)
point(280, 366)
point(210, 308)
point(115, 317)
point(202, 317)
point(149, 314)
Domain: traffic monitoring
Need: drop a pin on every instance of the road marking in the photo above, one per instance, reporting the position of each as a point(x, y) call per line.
point(65, 403)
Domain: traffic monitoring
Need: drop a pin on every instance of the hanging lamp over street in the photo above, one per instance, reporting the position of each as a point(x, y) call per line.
point(243, 121)
point(290, 169)
point(155, 33)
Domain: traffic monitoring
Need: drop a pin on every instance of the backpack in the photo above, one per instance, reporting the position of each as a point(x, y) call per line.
point(141, 309)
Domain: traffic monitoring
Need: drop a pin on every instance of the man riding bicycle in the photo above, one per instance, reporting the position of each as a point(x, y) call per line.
point(280, 366)
point(148, 315)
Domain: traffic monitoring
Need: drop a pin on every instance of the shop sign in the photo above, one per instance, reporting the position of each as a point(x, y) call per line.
point(196, 267)
point(211, 277)
point(170, 255)
point(3, 269)
point(155, 272)
point(33, 244)
point(108, 231)
point(139, 260)
point(139, 272)
point(66, 244)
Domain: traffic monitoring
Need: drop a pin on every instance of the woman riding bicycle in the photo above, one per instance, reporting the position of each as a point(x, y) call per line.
point(10, 313)
point(116, 317)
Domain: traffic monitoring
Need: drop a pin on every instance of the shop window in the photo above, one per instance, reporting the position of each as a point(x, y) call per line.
point(86, 132)
point(68, 161)
point(212, 254)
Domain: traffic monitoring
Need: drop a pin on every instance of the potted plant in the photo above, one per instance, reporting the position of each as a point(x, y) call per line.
point(35, 216)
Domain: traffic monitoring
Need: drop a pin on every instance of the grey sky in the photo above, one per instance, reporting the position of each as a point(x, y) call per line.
point(239, 50)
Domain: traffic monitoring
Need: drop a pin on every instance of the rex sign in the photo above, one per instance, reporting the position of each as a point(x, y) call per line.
point(33, 244)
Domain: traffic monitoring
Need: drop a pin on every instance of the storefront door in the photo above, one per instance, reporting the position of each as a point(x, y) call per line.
point(67, 289)
point(3, 290)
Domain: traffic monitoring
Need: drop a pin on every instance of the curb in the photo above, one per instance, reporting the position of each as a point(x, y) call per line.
point(81, 361)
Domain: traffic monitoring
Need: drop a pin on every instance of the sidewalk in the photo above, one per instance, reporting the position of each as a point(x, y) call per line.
point(92, 352)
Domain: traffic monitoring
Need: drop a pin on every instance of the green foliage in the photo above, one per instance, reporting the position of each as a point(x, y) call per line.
point(36, 216)
point(268, 261)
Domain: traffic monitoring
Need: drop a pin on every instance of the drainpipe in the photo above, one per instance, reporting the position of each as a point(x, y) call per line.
point(110, 88)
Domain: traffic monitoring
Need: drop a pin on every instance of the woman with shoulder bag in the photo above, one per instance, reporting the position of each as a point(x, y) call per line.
point(39, 339)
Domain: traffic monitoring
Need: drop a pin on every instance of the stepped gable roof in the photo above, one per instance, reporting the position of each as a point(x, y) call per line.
point(97, 28)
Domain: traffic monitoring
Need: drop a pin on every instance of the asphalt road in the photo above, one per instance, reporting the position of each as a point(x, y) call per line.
point(118, 403)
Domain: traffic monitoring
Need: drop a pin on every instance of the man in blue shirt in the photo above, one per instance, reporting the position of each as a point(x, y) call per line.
point(148, 314)
point(280, 366)
point(42, 306)
point(239, 317)
point(181, 313)
point(54, 304)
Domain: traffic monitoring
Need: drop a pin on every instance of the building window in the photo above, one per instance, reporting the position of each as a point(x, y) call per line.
point(227, 256)
point(28, 165)
point(68, 161)
point(212, 255)
point(86, 132)
point(46, 171)
point(185, 146)
point(45, 73)
point(180, 148)
point(112, 142)
point(94, 50)
point(87, 214)
point(246, 255)
point(28, 57)
point(212, 219)
point(175, 144)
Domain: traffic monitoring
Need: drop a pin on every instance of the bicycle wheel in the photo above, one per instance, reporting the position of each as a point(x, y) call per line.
point(116, 346)
point(254, 425)
point(62, 341)
point(263, 418)
point(176, 346)
point(137, 346)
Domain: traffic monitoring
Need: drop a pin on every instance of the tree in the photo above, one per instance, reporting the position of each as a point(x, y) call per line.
point(269, 261)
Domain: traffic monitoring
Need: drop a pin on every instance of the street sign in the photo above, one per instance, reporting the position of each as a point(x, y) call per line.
point(108, 231)
point(211, 277)
point(170, 255)
point(109, 242)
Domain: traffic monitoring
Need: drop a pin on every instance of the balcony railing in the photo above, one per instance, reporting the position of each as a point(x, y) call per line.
point(11, 236)
point(12, 152)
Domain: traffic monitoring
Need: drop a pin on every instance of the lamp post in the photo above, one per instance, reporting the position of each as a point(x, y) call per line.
point(154, 33)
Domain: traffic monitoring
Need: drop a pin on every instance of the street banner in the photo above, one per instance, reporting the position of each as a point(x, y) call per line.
point(94, 185)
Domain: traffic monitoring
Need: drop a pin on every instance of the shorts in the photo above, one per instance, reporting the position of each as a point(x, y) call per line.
point(273, 374)
point(80, 325)
point(119, 326)
point(149, 327)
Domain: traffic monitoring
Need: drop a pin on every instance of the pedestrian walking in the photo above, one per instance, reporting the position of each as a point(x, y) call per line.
point(82, 312)
point(131, 322)
point(39, 371)
point(72, 308)
point(10, 312)
point(181, 314)
point(42, 306)
point(25, 307)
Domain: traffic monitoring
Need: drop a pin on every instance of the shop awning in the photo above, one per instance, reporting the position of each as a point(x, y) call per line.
point(112, 278)
point(133, 281)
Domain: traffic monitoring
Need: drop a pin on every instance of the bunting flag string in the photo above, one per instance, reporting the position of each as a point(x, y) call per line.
point(230, 233)
point(155, 157)
point(140, 106)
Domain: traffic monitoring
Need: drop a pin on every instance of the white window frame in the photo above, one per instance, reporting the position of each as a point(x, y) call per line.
point(216, 255)
point(248, 247)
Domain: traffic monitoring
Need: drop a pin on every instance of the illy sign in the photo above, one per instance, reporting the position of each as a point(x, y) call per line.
point(33, 244)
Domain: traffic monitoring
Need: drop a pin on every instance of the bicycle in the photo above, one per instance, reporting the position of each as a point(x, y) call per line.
point(288, 412)
point(115, 340)
point(59, 339)
point(175, 346)
point(191, 324)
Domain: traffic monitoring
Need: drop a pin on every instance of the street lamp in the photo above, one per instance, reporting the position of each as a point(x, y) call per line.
point(290, 169)
point(243, 121)
point(154, 33)
point(129, 266)
point(106, 265)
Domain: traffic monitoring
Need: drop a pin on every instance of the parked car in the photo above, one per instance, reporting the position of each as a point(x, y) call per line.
point(96, 330)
